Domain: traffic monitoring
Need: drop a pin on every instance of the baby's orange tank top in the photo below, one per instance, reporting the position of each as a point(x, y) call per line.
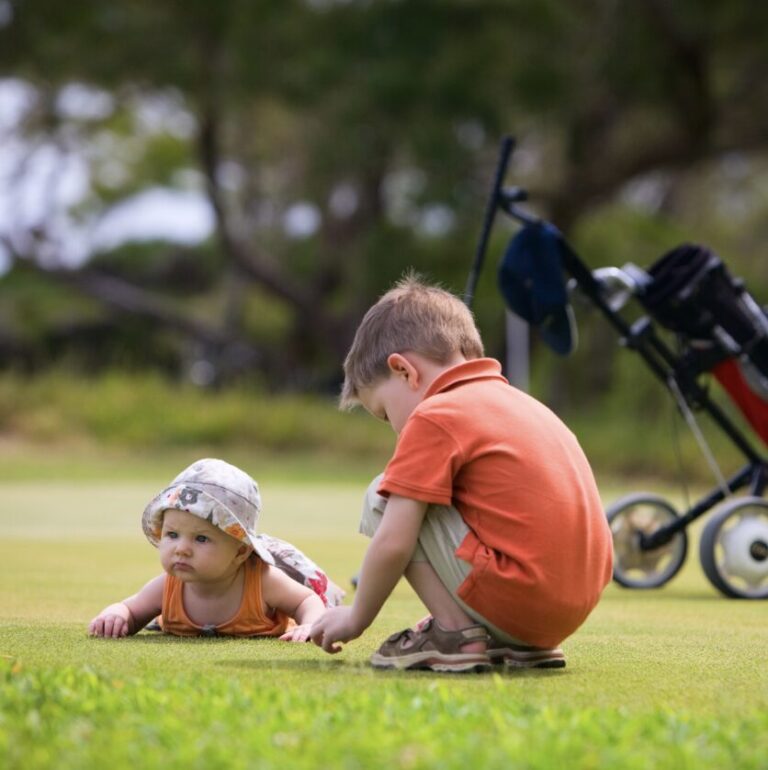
point(251, 618)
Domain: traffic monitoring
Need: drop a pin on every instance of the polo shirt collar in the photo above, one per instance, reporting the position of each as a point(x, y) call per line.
point(468, 371)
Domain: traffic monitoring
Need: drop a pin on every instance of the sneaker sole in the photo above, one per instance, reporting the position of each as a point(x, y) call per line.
point(528, 658)
point(430, 661)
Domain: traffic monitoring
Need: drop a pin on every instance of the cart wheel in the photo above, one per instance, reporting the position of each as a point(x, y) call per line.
point(734, 548)
point(629, 518)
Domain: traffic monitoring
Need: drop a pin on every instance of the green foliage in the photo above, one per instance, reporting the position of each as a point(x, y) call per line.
point(638, 128)
point(146, 410)
point(76, 717)
point(633, 431)
point(401, 105)
point(32, 307)
point(180, 273)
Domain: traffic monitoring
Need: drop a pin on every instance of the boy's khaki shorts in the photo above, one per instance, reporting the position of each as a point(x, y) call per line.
point(441, 534)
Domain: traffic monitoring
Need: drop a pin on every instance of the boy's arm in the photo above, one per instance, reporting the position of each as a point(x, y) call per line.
point(294, 599)
point(385, 561)
point(132, 614)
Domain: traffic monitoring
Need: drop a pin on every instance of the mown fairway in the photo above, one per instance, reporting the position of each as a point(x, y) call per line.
point(674, 678)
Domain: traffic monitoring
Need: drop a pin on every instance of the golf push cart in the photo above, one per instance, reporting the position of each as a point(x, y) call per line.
point(719, 330)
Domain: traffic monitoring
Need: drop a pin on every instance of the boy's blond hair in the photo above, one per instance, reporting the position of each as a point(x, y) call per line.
point(412, 316)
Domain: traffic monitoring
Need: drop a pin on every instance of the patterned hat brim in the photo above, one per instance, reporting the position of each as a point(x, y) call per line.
point(204, 501)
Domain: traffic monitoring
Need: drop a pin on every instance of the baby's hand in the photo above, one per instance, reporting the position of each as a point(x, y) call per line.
point(113, 622)
point(297, 633)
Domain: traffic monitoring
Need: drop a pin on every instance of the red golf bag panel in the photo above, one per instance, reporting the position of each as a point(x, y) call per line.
point(752, 405)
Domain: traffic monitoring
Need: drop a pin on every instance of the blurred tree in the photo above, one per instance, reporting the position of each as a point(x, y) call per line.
point(338, 143)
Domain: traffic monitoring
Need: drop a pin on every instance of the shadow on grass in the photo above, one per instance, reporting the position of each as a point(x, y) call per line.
point(347, 667)
point(650, 594)
point(157, 637)
point(304, 664)
point(289, 664)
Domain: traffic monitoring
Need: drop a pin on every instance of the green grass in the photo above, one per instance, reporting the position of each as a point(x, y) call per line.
point(674, 678)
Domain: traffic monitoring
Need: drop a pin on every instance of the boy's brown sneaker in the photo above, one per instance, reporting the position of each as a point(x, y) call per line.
point(522, 656)
point(432, 648)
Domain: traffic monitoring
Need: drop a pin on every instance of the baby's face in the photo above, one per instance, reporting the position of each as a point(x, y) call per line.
point(193, 550)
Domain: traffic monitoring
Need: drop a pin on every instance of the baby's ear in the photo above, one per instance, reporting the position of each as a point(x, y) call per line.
point(243, 552)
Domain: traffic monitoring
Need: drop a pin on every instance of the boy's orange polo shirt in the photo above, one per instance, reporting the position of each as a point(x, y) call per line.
point(539, 544)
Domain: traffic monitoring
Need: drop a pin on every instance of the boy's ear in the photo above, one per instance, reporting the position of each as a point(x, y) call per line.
point(243, 552)
point(401, 366)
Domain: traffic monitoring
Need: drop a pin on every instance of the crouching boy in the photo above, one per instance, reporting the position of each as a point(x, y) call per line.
point(488, 505)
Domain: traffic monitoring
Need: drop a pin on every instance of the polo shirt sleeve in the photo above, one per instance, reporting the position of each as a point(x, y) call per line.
point(424, 464)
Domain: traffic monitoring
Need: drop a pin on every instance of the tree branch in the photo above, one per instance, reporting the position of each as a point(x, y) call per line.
point(128, 298)
point(689, 73)
point(254, 265)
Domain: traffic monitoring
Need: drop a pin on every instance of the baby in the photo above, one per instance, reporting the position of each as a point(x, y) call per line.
point(220, 578)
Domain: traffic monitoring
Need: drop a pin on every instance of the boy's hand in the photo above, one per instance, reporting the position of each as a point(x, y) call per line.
point(335, 625)
point(297, 633)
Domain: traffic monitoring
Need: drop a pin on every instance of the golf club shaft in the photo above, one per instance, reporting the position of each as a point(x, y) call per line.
point(507, 145)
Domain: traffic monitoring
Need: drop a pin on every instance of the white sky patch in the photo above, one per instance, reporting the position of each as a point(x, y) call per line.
point(16, 99)
point(530, 157)
point(6, 13)
point(470, 134)
point(76, 101)
point(231, 176)
point(156, 214)
point(436, 220)
point(41, 185)
point(301, 220)
point(343, 201)
point(646, 193)
point(735, 166)
point(67, 247)
point(401, 188)
point(164, 113)
point(36, 184)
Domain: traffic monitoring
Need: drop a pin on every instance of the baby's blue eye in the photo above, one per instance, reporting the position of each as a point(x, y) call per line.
point(171, 534)
point(202, 538)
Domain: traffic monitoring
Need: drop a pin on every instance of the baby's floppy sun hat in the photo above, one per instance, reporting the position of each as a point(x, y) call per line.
point(217, 492)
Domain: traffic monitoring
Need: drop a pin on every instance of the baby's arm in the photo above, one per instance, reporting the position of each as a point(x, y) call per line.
point(294, 599)
point(130, 615)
